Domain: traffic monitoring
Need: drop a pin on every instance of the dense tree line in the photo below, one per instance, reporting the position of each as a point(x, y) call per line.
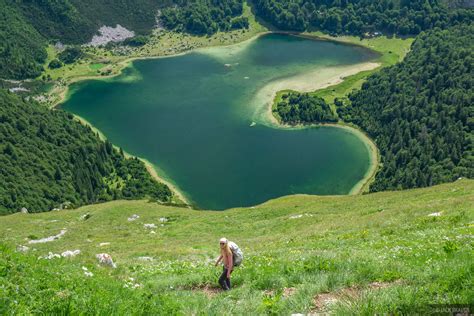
point(136, 41)
point(204, 16)
point(48, 159)
point(357, 17)
point(421, 112)
point(301, 108)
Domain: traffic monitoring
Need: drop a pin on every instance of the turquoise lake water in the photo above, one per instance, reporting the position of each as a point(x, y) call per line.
point(198, 117)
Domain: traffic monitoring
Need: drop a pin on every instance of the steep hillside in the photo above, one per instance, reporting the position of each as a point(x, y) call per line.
point(393, 252)
point(48, 160)
point(21, 46)
point(360, 16)
point(28, 25)
point(74, 21)
point(420, 112)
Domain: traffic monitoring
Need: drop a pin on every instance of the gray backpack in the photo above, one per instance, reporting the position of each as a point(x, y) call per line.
point(237, 254)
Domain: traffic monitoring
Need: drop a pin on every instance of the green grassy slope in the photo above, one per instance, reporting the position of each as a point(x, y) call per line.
point(296, 248)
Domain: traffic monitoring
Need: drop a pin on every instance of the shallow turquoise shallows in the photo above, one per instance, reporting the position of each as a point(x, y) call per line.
point(201, 119)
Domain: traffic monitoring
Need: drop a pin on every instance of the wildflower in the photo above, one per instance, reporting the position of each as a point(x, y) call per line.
point(70, 253)
point(50, 256)
point(296, 216)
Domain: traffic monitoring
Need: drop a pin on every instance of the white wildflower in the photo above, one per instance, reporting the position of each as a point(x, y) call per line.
point(70, 253)
point(50, 256)
point(88, 274)
point(296, 216)
point(22, 248)
point(133, 218)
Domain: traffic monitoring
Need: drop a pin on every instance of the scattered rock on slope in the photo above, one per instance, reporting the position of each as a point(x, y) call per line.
point(48, 239)
point(106, 259)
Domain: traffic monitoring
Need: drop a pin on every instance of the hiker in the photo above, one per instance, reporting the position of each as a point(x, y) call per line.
point(231, 256)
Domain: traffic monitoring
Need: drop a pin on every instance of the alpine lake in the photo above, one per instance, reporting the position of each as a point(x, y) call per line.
point(203, 120)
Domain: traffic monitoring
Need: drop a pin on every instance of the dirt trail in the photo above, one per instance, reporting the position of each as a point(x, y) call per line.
point(323, 301)
point(209, 290)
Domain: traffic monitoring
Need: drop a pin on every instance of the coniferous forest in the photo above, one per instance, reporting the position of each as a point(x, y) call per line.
point(402, 17)
point(421, 112)
point(302, 108)
point(50, 161)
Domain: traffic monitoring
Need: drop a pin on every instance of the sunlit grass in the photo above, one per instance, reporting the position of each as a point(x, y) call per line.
point(308, 244)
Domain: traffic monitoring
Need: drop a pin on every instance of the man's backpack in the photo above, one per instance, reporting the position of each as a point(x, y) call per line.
point(237, 254)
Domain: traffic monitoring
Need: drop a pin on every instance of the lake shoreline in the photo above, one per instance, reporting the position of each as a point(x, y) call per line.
point(151, 168)
point(154, 170)
point(292, 84)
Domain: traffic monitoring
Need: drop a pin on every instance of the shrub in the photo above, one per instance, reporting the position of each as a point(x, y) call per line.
point(70, 55)
point(136, 41)
point(54, 64)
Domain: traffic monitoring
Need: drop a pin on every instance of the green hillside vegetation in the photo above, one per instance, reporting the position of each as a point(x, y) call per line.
point(48, 160)
point(204, 16)
point(75, 21)
point(377, 253)
point(27, 26)
point(21, 47)
point(357, 17)
point(420, 112)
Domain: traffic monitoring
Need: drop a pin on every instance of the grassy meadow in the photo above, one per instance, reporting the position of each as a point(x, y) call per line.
point(391, 252)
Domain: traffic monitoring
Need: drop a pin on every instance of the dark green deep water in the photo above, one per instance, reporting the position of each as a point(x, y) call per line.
point(191, 116)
